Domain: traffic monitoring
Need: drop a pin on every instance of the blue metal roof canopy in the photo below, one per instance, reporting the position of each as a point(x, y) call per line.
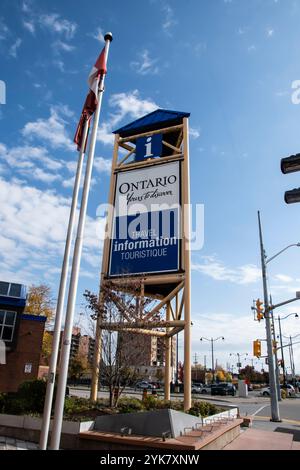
point(152, 121)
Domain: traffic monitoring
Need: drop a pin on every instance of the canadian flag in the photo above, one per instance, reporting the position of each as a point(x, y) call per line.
point(91, 101)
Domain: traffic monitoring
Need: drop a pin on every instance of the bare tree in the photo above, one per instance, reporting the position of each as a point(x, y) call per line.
point(123, 351)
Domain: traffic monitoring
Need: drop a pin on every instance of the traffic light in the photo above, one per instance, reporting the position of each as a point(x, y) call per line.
point(259, 310)
point(291, 165)
point(257, 348)
point(274, 344)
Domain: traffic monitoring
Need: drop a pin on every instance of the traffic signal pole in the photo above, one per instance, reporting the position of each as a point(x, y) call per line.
point(277, 371)
point(275, 416)
point(282, 354)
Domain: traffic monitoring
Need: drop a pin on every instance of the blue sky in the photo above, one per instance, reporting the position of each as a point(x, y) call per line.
point(231, 63)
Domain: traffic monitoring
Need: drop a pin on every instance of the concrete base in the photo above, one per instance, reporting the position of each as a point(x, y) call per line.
point(217, 439)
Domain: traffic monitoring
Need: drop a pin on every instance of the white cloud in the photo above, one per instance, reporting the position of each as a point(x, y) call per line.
point(194, 133)
point(126, 105)
point(169, 19)
point(98, 35)
point(51, 130)
point(27, 156)
point(58, 25)
point(62, 46)
point(42, 175)
point(243, 275)
point(29, 25)
point(26, 7)
point(283, 278)
point(4, 30)
point(102, 165)
point(14, 48)
point(145, 65)
point(35, 229)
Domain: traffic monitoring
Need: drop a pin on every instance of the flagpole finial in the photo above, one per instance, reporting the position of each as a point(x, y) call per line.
point(108, 37)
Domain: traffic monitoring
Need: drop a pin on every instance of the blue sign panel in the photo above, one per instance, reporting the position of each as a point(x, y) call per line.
point(148, 147)
point(146, 230)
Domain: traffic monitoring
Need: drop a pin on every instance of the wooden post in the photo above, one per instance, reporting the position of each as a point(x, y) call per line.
point(187, 267)
point(98, 335)
point(168, 357)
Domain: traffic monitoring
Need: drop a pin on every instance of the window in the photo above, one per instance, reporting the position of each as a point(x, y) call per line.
point(11, 290)
point(4, 288)
point(7, 325)
point(15, 290)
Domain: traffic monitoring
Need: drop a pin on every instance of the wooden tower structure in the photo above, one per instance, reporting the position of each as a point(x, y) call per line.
point(168, 286)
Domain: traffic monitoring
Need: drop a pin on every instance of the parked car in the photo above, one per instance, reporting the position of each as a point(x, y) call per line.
point(223, 389)
point(156, 385)
point(206, 389)
point(265, 392)
point(144, 385)
point(289, 389)
point(196, 389)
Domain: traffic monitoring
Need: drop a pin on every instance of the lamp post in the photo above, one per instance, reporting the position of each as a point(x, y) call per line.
point(279, 319)
point(212, 341)
point(239, 359)
point(292, 355)
point(275, 416)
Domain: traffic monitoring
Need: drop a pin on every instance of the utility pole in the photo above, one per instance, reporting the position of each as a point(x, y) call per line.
point(273, 389)
point(177, 352)
point(282, 355)
point(195, 364)
point(277, 371)
point(212, 361)
point(292, 360)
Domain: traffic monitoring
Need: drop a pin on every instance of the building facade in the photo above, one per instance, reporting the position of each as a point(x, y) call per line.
point(21, 337)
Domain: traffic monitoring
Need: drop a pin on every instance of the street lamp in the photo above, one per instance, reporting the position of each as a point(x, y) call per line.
point(292, 354)
point(212, 341)
point(274, 386)
point(282, 251)
point(279, 319)
point(239, 365)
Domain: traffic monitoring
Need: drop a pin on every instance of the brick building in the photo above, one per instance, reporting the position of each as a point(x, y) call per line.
point(22, 336)
point(144, 350)
point(22, 363)
point(81, 345)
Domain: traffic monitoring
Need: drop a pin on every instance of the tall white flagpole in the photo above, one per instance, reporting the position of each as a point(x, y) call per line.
point(61, 298)
point(65, 354)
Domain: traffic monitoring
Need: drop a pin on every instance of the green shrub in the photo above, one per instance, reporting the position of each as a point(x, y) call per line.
point(32, 395)
point(130, 405)
point(2, 402)
point(203, 408)
point(13, 405)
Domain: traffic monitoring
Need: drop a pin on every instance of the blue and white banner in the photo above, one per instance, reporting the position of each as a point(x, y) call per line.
point(146, 226)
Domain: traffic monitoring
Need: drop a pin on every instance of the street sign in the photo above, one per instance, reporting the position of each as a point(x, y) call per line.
point(148, 147)
point(28, 368)
point(146, 225)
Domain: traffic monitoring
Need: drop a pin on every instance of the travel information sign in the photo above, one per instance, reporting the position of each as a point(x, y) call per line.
point(146, 223)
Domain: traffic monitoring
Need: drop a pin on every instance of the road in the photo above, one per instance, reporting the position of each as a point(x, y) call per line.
point(254, 405)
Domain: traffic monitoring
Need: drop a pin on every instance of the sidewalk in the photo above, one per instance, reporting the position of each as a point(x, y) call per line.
point(254, 439)
point(266, 435)
point(9, 443)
